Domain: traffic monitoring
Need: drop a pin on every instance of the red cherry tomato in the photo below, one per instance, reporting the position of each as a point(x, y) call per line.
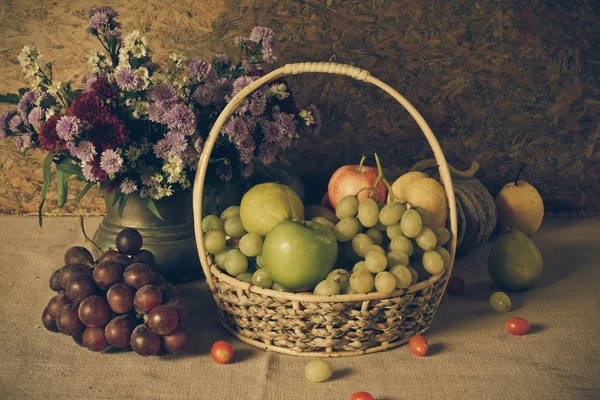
point(418, 345)
point(221, 352)
point(517, 326)
point(456, 285)
point(361, 396)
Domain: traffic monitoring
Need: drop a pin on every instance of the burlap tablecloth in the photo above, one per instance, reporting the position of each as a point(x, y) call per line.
point(471, 355)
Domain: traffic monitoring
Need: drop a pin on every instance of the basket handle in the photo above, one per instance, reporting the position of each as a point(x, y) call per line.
point(303, 68)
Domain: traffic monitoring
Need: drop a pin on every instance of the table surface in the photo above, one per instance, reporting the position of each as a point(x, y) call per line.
point(471, 355)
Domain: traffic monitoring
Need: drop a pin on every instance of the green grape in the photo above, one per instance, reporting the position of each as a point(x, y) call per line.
point(414, 274)
point(214, 241)
point(347, 207)
point(376, 235)
point(359, 265)
point(212, 223)
point(380, 227)
point(234, 228)
point(220, 258)
point(403, 276)
point(397, 257)
point(425, 217)
point(328, 287)
point(442, 234)
point(445, 255)
point(318, 371)
point(280, 288)
point(391, 213)
point(362, 281)
point(324, 221)
point(403, 244)
point(230, 212)
point(393, 231)
point(262, 278)
point(360, 243)
point(411, 223)
point(348, 290)
point(245, 277)
point(500, 302)
point(235, 262)
point(433, 262)
point(341, 276)
point(251, 244)
point(368, 212)
point(422, 273)
point(346, 229)
point(259, 261)
point(426, 239)
point(385, 282)
point(376, 262)
point(374, 247)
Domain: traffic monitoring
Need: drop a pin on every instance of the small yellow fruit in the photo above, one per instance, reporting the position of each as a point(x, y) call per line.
point(429, 194)
point(520, 207)
point(399, 187)
point(267, 204)
point(311, 212)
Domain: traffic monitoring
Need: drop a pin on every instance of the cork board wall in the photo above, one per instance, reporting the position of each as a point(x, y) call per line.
point(499, 82)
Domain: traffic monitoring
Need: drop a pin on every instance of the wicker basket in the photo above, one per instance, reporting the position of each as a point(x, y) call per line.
point(322, 326)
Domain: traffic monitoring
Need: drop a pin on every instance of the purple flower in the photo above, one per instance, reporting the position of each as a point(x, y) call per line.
point(111, 162)
point(220, 90)
point(162, 93)
point(110, 12)
point(247, 170)
point(238, 85)
point(258, 103)
point(240, 41)
point(72, 147)
point(99, 20)
point(221, 60)
point(88, 174)
point(26, 102)
point(127, 79)
point(87, 82)
point(201, 70)
point(181, 118)
point(203, 95)
point(239, 130)
point(4, 118)
point(14, 123)
point(156, 113)
point(23, 142)
point(236, 128)
point(225, 172)
point(128, 186)
point(267, 152)
point(35, 116)
point(68, 127)
point(278, 133)
point(148, 181)
point(265, 36)
point(173, 142)
point(85, 151)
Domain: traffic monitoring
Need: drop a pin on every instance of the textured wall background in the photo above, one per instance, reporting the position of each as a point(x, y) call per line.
point(499, 82)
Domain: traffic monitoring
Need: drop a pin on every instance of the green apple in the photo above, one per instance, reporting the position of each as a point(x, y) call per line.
point(298, 255)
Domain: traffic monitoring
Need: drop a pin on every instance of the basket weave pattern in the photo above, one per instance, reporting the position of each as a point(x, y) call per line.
point(305, 326)
point(330, 326)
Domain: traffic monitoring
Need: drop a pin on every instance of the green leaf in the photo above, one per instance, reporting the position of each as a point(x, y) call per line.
point(117, 196)
point(142, 171)
point(84, 191)
point(122, 202)
point(152, 207)
point(47, 171)
point(23, 90)
point(62, 180)
point(67, 166)
point(11, 98)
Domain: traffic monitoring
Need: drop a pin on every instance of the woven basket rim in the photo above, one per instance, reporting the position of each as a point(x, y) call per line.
point(339, 298)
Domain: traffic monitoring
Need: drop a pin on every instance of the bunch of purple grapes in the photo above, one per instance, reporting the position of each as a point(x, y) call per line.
point(118, 300)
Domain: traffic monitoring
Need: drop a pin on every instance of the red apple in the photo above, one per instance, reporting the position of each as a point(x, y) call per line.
point(350, 179)
point(325, 201)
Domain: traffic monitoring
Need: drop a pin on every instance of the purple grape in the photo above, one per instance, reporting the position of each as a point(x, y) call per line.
point(163, 320)
point(107, 255)
point(120, 298)
point(129, 241)
point(54, 281)
point(108, 273)
point(81, 286)
point(78, 255)
point(118, 331)
point(94, 338)
point(146, 298)
point(176, 341)
point(138, 275)
point(180, 305)
point(145, 257)
point(94, 311)
point(68, 321)
point(168, 291)
point(144, 342)
point(56, 303)
point(69, 270)
point(122, 259)
point(48, 321)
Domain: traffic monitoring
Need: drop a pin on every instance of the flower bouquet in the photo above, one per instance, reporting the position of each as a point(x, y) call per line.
point(135, 127)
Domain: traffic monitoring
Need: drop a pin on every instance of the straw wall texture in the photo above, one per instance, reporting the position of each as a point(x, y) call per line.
point(499, 82)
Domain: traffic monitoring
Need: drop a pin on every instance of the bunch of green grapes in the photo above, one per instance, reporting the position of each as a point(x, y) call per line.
point(391, 247)
point(236, 251)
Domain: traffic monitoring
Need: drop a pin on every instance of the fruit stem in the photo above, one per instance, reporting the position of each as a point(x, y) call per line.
point(519, 173)
point(383, 179)
point(362, 160)
point(87, 239)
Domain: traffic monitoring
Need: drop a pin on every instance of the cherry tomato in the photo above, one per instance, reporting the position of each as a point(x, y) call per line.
point(456, 285)
point(361, 396)
point(221, 352)
point(418, 345)
point(517, 326)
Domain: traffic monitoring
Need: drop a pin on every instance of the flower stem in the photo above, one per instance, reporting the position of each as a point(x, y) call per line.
point(87, 239)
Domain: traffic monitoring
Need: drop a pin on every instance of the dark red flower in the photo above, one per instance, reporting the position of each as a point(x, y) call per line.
point(102, 88)
point(98, 172)
point(87, 107)
point(107, 131)
point(113, 186)
point(48, 137)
